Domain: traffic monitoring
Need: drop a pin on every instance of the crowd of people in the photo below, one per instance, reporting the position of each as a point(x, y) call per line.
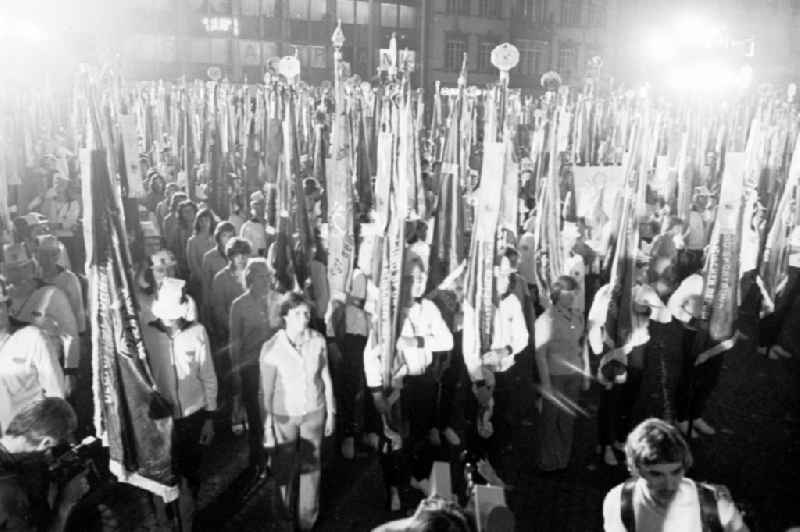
point(235, 344)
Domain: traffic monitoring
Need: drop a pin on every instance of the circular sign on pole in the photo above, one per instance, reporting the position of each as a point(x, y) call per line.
point(289, 67)
point(505, 57)
point(214, 72)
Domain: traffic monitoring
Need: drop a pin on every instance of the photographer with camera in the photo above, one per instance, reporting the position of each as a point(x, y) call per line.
point(27, 501)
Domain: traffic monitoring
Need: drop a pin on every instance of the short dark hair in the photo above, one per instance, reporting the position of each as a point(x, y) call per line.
point(564, 282)
point(200, 214)
point(223, 227)
point(237, 246)
point(292, 300)
point(654, 441)
point(49, 417)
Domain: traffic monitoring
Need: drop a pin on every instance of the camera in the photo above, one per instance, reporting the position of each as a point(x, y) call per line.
point(69, 461)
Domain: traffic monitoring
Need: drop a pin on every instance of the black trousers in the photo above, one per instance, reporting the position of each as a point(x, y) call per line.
point(356, 411)
point(615, 415)
point(187, 453)
point(250, 376)
point(696, 383)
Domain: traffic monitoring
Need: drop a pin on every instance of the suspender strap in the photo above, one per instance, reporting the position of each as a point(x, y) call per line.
point(626, 505)
point(709, 513)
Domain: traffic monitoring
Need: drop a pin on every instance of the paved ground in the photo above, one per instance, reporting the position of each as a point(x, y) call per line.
point(755, 407)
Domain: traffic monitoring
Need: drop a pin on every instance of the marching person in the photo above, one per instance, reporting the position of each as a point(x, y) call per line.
point(298, 406)
point(423, 333)
point(253, 320)
point(187, 212)
point(659, 497)
point(184, 372)
point(559, 357)
point(512, 387)
point(214, 260)
point(201, 241)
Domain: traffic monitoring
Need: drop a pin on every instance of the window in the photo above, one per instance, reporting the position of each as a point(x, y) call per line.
point(298, 9)
point(532, 56)
point(489, 8)
point(485, 56)
point(268, 8)
point(250, 7)
point(571, 13)
point(454, 51)
point(317, 10)
point(408, 17)
point(319, 57)
point(221, 7)
point(353, 12)
point(388, 15)
point(597, 13)
point(250, 52)
point(458, 7)
point(567, 60)
point(532, 10)
point(269, 50)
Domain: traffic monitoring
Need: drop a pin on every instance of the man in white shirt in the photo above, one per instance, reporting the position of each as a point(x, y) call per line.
point(658, 497)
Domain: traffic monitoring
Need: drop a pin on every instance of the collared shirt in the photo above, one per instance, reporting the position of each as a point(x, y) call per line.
point(297, 375)
point(29, 370)
point(558, 334)
point(682, 514)
point(510, 330)
point(69, 284)
point(183, 368)
point(225, 288)
point(686, 302)
point(253, 321)
point(422, 320)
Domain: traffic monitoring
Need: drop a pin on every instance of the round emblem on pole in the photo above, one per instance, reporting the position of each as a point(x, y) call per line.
point(505, 57)
point(289, 67)
point(214, 73)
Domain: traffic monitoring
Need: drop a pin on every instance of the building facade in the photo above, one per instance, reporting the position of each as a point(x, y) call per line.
point(173, 38)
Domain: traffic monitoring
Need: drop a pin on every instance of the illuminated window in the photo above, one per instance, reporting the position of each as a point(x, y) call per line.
point(571, 12)
point(353, 11)
point(454, 51)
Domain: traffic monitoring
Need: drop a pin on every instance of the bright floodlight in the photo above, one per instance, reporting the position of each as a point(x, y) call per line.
point(659, 47)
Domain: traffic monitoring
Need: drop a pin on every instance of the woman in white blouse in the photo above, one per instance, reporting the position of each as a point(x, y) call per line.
point(299, 410)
